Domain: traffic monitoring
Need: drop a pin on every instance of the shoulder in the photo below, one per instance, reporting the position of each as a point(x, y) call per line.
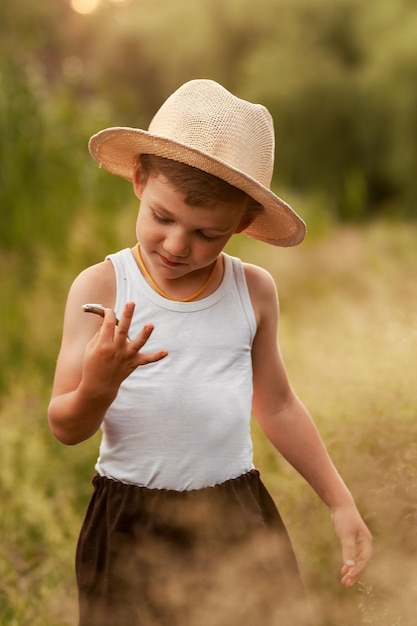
point(96, 283)
point(258, 277)
point(262, 291)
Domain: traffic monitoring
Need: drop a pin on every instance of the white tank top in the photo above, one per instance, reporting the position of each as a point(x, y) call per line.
point(184, 422)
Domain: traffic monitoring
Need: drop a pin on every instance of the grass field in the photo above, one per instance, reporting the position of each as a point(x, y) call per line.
point(348, 334)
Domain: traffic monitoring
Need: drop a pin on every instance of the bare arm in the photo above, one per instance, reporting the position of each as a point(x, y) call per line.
point(290, 428)
point(95, 357)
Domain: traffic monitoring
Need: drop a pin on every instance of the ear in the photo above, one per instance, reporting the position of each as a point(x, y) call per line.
point(244, 223)
point(138, 186)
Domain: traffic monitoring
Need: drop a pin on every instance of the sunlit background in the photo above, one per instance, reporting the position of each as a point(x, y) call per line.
point(88, 6)
point(340, 79)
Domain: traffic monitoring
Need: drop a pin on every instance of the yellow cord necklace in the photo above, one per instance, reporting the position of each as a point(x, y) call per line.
point(162, 293)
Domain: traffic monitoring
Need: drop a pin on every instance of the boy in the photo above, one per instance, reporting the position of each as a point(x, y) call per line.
point(179, 511)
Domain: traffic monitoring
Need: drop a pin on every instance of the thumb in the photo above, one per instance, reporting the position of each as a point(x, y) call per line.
point(349, 571)
point(346, 537)
point(348, 551)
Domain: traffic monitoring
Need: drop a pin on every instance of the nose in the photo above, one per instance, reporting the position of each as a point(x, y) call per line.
point(176, 243)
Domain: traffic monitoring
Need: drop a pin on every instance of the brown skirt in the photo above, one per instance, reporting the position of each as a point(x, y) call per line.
point(218, 556)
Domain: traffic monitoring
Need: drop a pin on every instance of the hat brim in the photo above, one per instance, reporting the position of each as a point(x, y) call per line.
point(116, 149)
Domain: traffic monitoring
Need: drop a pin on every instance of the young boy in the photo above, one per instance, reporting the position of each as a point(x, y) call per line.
point(180, 529)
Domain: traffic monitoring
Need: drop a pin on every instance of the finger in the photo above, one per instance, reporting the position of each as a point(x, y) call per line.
point(348, 580)
point(108, 324)
point(354, 568)
point(364, 554)
point(138, 343)
point(125, 321)
point(146, 358)
point(141, 340)
point(349, 577)
point(348, 543)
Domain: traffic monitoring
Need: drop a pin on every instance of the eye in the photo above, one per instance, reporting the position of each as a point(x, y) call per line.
point(160, 219)
point(206, 237)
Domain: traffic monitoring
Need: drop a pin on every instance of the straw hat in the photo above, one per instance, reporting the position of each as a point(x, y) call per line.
point(205, 126)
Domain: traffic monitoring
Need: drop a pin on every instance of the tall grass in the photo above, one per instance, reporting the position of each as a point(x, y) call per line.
point(348, 334)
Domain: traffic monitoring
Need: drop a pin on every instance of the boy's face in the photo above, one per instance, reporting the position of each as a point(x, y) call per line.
point(176, 238)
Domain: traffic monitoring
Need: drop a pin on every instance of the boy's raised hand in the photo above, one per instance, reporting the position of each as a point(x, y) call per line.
point(89, 374)
point(356, 541)
point(111, 353)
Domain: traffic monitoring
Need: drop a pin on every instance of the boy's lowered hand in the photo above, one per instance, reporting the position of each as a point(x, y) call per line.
point(356, 541)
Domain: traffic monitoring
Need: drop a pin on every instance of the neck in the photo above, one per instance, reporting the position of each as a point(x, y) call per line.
point(154, 286)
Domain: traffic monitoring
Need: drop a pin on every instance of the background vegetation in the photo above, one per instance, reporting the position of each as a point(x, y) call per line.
point(339, 77)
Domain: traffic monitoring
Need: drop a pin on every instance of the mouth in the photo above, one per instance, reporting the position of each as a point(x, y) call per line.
point(168, 262)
